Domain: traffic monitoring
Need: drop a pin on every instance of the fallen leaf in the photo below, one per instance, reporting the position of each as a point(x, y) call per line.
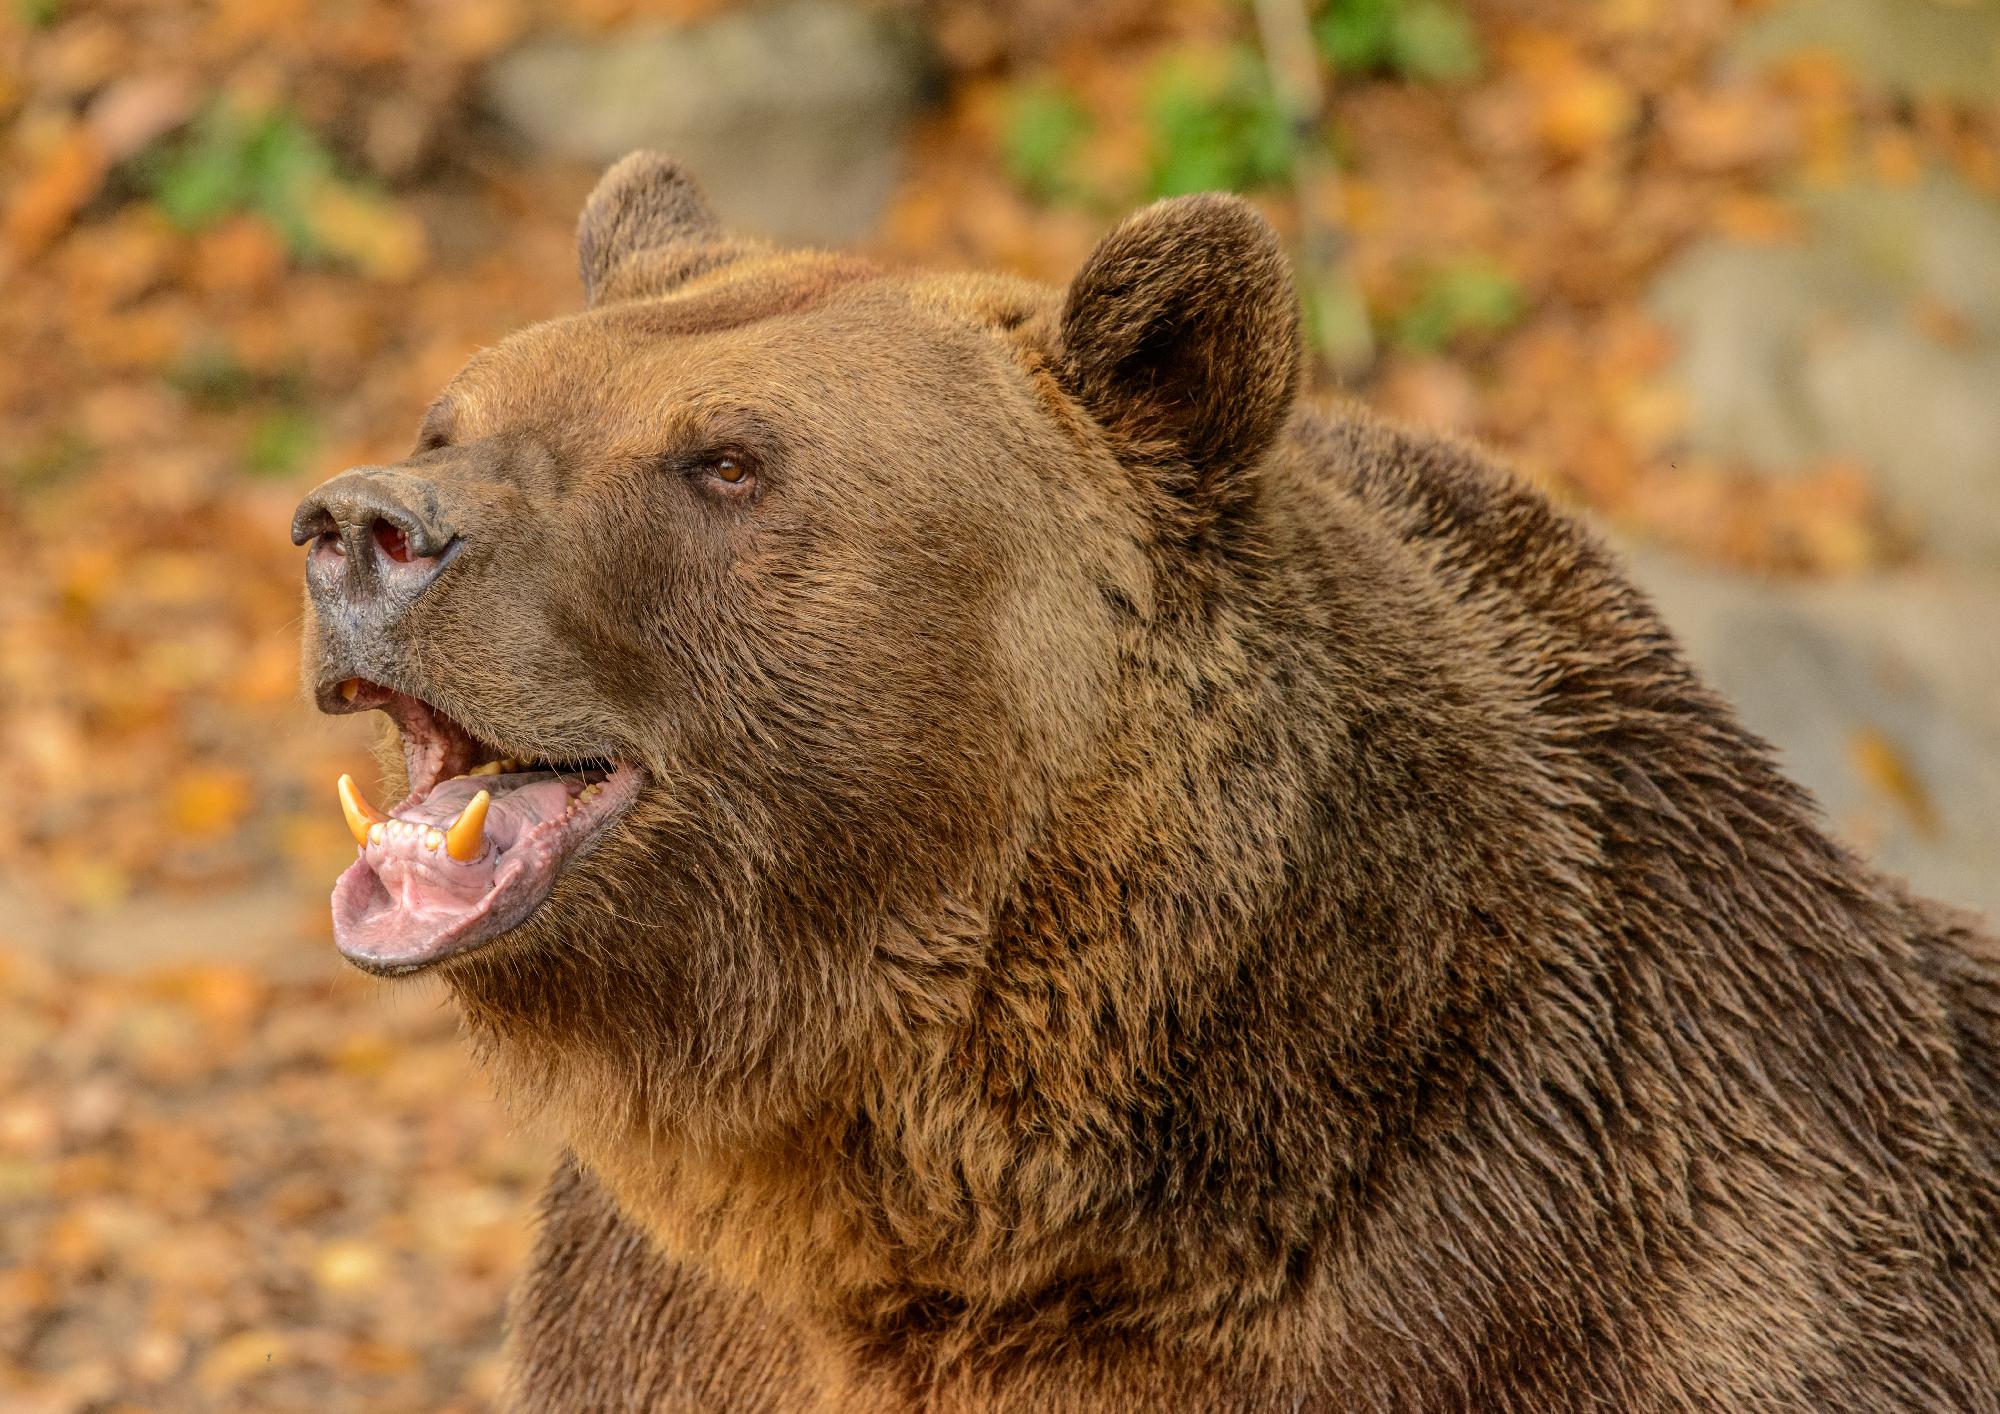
point(1583, 110)
point(51, 195)
point(1888, 769)
point(241, 1356)
point(378, 238)
point(136, 110)
point(208, 800)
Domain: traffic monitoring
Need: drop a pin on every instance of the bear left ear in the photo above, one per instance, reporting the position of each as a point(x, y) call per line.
point(645, 229)
point(1181, 336)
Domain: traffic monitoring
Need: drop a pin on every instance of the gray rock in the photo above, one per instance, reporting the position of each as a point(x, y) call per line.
point(1937, 238)
point(1833, 673)
point(1924, 48)
point(1742, 315)
point(1793, 355)
point(792, 116)
point(1926, 418)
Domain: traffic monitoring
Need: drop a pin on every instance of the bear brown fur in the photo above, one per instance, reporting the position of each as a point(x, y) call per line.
point(1151, 894)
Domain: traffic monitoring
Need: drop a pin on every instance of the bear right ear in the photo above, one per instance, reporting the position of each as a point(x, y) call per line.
point(1180, 335)
point(645, 229)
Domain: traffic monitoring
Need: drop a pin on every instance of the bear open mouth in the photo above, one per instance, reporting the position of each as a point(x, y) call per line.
point(475, 847)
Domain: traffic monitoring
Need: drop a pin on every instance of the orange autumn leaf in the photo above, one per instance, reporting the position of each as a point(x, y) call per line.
point(1582, 109)
point(209, 800)
point(376, 237)
point(60, 186)
point(1889, 771)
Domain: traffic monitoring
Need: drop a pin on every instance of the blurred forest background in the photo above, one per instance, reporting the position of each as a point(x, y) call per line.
point(1725, 274)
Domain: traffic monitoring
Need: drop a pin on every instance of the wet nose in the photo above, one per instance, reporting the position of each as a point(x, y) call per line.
point(379, 537)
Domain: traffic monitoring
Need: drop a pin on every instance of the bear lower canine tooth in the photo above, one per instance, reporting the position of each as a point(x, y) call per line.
point(360, 814)
point(467, 835)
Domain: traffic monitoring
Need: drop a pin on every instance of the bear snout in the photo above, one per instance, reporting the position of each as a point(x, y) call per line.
point(380, 537)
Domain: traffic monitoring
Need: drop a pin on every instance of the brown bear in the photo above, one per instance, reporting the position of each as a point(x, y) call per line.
point(1035, 870)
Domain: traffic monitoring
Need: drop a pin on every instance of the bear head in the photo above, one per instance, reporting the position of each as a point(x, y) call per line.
point(753, 634)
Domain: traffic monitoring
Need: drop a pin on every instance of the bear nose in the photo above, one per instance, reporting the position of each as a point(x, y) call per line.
point(379, 537)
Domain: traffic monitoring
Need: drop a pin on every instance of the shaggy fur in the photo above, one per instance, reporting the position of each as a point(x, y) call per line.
point(1153, 896)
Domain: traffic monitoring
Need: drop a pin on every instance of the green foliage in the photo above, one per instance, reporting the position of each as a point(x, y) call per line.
point(1333, 316)
point(281, 442)
point(38, 14)
point(231, 161)
point(1470, 297)
point(1215, 132)
point(212, 378)
point(1046, 128)
point(1419, 39)
point(283, 433)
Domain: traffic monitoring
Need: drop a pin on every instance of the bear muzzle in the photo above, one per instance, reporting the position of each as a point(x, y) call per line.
point(380, 537)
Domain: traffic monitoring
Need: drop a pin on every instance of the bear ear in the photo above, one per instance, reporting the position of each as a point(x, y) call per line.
point(1180, 335)
point(645, 229)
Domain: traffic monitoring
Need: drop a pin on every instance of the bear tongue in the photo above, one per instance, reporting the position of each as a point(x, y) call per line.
point(520, 802)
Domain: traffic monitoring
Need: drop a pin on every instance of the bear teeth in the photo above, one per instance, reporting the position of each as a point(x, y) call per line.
point(466, 837)
point(501, 767)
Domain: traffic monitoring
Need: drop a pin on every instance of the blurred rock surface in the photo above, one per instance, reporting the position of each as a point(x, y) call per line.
point(1922, 48)
point(792, 115)
point(1877, 340)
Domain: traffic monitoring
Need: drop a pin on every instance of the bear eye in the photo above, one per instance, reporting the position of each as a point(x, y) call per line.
point(730, 474)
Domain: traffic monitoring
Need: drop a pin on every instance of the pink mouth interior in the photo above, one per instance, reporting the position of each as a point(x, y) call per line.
point(405, 902)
